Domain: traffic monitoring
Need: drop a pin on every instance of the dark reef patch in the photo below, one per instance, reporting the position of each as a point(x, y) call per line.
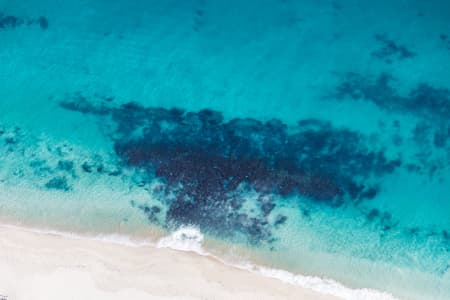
point(43, 22)
point(58, 183)
point(441, 137)
point(423, 100)
point(211, 165)
point(65, 165)
point(430, 105)
point(391, 50)
point(280, 220)
point(445, 40)
point(79, 103)
point(198, 20)
point(40, 167)
point(12, 22)
point(199, 16)
point(86, 167)
point(385, 222)
point(151, 212)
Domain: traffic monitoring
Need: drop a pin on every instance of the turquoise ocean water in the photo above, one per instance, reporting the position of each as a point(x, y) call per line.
point(313, 134)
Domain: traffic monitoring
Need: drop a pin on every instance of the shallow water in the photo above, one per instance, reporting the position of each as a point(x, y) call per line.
point(315, 133)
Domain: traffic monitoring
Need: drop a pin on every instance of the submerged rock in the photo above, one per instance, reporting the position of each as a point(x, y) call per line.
point(58, 183)
point(65, 165)
point(280, 220)
point(12, 22)
point(43, 22)
point(86, 167)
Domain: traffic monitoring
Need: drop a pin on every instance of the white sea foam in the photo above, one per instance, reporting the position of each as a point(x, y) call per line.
point(186, 238)
point(189, 238)
point(325, 286)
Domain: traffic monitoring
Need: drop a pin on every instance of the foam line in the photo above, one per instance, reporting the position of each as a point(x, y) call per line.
point(188, 238)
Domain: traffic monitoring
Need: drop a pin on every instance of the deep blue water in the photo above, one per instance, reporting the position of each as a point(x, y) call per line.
point(315, 133)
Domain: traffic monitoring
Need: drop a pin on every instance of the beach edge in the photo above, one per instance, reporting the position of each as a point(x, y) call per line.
point(48, 265)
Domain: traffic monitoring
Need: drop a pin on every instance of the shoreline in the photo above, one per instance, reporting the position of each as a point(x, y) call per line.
point(110, 267)
point(37, 265)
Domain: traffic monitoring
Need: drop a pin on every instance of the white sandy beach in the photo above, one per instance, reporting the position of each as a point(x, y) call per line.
point(37, 265)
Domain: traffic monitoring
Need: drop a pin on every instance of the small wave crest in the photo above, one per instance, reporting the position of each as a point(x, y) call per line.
point(186, 238)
